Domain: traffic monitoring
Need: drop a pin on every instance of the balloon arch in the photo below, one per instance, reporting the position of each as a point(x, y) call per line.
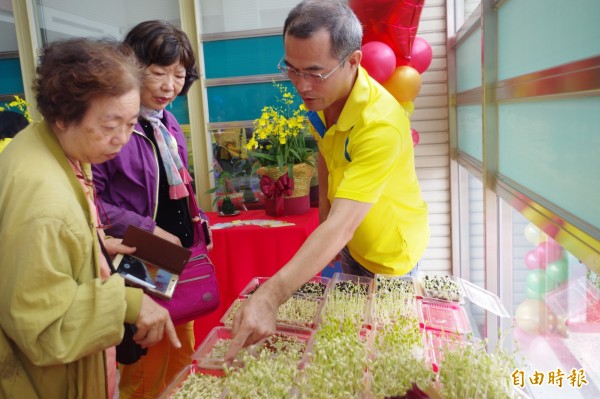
point(392, 53)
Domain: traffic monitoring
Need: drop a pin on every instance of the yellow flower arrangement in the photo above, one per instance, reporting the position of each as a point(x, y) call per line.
point(278, 138)
point(17, 105)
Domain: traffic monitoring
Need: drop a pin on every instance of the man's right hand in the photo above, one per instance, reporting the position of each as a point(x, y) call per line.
point(152, 323)
point(254, 320)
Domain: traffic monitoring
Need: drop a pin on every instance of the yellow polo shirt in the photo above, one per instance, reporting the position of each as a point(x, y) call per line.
point(370, 158)
point(4, 143)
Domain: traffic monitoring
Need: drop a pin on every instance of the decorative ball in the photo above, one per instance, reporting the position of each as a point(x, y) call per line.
point(379, 60)
point(415, 136)
point(558, 271)
point(531, 316)
point(420, 54)
point(536, 281)
point(404, 84)
point(533, 234)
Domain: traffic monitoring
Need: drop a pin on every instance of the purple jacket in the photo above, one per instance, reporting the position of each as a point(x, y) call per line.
point(127, 186)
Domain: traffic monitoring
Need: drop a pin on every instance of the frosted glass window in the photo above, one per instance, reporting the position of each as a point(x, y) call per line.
point(469, 7)
point(552, 148)
point(8, 35)
point(470, 130)
point(220, 16)
point(61, 19)
point(468, 62)
point(556, 303)
point(476, 245)
point(562, 31)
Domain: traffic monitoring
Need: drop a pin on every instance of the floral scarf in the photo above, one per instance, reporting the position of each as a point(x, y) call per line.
point(177, 174)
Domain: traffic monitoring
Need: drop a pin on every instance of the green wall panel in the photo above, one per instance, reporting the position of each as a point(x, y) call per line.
point(11, 80)
point(179, 108)
point(553, 149)
point(242, 57)
point(242, 102)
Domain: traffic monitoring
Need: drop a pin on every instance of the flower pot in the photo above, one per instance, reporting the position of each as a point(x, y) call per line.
point(227, 207)
point(291, 206)
point(296, 202)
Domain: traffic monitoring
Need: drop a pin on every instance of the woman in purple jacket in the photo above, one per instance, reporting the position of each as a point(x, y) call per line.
point(145, 185)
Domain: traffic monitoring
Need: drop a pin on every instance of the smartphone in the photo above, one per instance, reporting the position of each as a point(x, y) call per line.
point(151, 278)
point(206, 232)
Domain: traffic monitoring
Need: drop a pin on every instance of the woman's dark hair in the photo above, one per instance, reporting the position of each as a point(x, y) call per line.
point(162, 43)
point(11, 123)
point(74, 72)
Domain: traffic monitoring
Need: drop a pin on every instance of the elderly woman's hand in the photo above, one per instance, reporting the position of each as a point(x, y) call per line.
point(166, 235)
point(152, 323)
point(115, 246)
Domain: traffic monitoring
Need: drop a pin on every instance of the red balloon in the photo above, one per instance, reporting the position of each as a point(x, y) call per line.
point(379, 60)
point(415, 136)
point(421, 55)
point(394, 22)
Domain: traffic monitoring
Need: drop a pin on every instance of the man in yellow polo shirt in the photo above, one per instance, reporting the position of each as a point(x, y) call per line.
point(370, 200)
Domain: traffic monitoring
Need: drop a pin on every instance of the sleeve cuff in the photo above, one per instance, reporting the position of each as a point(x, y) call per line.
point(133, 298)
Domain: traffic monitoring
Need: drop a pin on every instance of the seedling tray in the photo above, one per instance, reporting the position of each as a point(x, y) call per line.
point(178, 383)
point(347, 282)
point(575, 302)
point(211, 352)
point(387, 283)
point(285, 339)
point(460, 290)
point(436, 342)
point(443, 316)
point(252, 285)
point(304, 316)
point(388, 308)
point(314, 288)
point(443, 288)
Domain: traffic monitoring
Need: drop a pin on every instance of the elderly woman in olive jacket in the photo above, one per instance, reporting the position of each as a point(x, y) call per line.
point(61, 312)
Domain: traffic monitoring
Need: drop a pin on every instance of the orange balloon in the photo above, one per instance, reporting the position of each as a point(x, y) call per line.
point(404, 84)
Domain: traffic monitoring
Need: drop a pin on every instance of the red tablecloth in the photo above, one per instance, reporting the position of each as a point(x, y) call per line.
point(243, 252)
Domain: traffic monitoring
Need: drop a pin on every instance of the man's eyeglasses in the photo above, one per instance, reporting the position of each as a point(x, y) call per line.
point(291, 73)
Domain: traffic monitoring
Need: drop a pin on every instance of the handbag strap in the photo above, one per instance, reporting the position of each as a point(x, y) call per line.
point(195, 210)
point(106, 255)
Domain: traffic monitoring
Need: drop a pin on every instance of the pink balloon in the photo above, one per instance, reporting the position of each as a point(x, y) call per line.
point(379, 60)
point(421, 54)
point(532, 260)
point(548, 252)
point(415, 136)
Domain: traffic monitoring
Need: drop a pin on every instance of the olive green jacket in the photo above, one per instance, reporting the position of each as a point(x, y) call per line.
point(56, 315)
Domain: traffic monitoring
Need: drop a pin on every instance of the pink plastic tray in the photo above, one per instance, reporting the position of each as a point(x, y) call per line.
point(443, 316)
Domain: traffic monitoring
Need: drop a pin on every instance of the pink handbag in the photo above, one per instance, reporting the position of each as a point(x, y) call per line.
point(196, 293)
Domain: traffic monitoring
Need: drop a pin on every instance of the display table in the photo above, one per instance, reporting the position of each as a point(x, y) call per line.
point(243, 252)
